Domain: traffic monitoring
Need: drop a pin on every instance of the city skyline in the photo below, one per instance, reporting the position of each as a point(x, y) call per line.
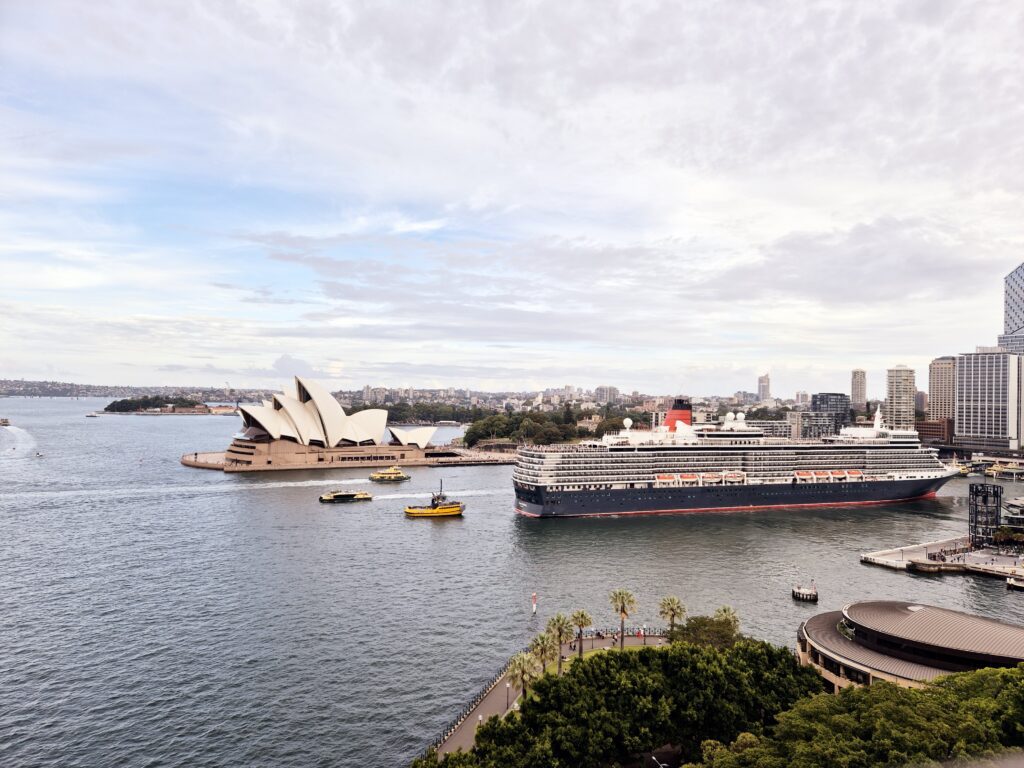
point(498, 221)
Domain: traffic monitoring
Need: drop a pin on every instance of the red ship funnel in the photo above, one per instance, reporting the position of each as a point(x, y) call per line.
point(681, 411)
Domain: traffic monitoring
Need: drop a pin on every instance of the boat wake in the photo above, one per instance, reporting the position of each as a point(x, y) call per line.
point(16, 443)
point(165, 490)
point(428, 494)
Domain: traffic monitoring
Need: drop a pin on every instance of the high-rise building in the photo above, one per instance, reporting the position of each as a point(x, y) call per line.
point(810, 424)
point(987, 405)
point(802, 398)
point(606, 394)
point(941, 387)
point(859, 389)
point(837, 404)
point(764, 388)
point(921, 401)
point(899, 397)
point(1012, 338)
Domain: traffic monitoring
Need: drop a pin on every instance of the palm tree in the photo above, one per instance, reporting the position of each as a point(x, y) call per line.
point(522, 670)
point(546, 649)
point(624, 602)
point(560, 629)
point(581, 619)
point(728, 614)
point(671, 610)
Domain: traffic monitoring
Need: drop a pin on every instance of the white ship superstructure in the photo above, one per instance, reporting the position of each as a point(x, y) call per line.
point(732, 466)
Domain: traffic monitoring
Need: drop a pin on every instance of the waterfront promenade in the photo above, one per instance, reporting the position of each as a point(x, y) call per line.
point(455, 457)
point(947, 556)
point(499, 699)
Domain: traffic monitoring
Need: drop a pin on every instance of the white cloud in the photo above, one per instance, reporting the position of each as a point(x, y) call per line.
point(648, 192)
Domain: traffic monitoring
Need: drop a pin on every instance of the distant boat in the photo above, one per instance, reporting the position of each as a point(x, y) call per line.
point(92, 415)
point(389, 475)
point(341, 497)
point(440, 506)
point(448, 423)
point(5, 422)
point(806, 594)
point(1016, 584)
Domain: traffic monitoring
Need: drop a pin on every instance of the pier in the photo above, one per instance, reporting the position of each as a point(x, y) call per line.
point(947, 556)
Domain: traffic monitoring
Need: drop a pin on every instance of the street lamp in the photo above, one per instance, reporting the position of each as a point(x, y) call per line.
point(508, 689)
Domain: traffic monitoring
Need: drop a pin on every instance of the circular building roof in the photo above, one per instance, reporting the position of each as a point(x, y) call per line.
point(928, 625)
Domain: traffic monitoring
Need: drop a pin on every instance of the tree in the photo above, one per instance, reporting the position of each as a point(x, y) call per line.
point(715, 632)
point(581, 620)
point(522, 670)
point(624, 603)
point(671, 610)
point(727, 614)
point(559, 628)
point(546, 649)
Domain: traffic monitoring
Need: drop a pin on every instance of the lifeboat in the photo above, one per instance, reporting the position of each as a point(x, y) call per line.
point(711, 478)
point(688, 479)
point(665, 478)
point(734, 477)
point(855, 474)
point(839, 474)
point(821, 475)
point(803, 475)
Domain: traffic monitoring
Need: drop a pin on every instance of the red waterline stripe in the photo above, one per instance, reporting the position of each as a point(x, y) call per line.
point(929, 495)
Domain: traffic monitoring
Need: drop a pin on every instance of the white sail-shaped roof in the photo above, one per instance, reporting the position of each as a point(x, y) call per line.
point(274, 422)
point(366, 425)
point(312, 415)
point(306, 423)
point(332, 415)
point(420, 436)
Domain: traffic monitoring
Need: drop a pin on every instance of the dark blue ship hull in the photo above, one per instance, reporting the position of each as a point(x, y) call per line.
point(541, 502)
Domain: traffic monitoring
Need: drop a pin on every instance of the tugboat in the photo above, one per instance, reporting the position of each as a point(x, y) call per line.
point(389, 475)
point(341, 497)
point(806, 594)
point(440, 506)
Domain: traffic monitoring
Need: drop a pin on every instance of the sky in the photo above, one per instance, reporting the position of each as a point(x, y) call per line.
point(666, 197)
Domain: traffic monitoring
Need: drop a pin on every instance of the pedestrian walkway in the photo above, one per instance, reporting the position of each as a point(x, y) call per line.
point(501, 698)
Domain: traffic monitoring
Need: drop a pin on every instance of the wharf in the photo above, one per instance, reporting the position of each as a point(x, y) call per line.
point(947, 556)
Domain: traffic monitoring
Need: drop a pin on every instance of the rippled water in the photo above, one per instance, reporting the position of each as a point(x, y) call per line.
point(152, 614)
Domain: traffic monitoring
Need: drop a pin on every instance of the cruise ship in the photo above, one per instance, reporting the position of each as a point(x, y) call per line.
point(678, 468)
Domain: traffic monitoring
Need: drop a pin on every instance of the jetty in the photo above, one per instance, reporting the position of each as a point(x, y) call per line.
point(953, 555)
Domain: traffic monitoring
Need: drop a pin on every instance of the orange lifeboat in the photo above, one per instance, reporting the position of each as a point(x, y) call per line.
point(839, 474)
point(734, 477)
point(711, 478)
point(665, 478)
point(855, 474)
point(688, 478)
point(820, 475)
point(802, 474)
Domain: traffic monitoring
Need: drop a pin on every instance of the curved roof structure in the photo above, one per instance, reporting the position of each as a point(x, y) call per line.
point(930, 626)
point(823, 631)
point(419, 436)
point(311, 416)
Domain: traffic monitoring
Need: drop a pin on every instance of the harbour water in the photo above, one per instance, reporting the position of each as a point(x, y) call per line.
point(153, 614)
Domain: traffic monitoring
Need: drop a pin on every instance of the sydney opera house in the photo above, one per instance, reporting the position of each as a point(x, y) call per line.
point(306, 428)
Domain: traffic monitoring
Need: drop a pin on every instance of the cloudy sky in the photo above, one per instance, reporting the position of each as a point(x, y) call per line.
point(670, 197)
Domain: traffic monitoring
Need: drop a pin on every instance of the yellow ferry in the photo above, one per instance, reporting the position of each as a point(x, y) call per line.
point(440, 506)
point(389, 475)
